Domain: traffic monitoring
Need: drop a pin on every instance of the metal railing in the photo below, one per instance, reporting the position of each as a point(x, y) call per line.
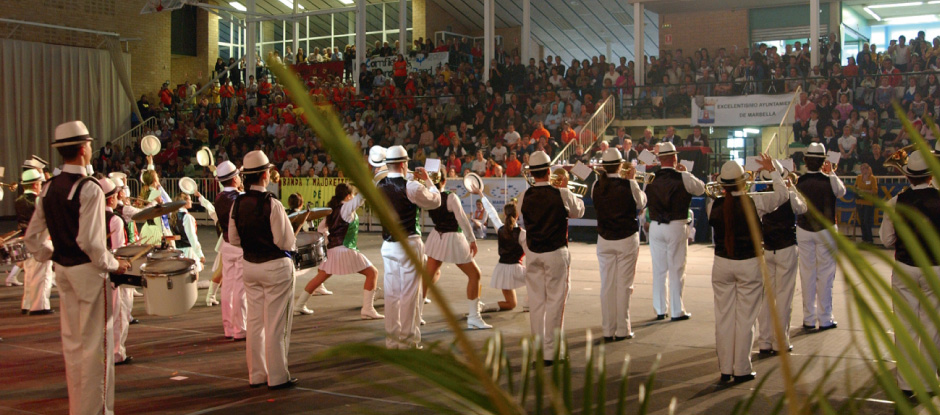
point(591, 131)
point(133, 134)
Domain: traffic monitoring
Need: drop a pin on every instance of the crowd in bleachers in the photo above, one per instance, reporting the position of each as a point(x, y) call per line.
point(491, 127)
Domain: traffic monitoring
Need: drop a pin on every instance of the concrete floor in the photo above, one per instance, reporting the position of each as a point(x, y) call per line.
point(214, 374)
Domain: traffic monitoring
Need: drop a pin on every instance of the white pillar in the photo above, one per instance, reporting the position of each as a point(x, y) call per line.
point(488, 37)
point(526, 35)
point(639, 34)
point(360, 40)
point(814, 32)
point(251, 56)
point(296, 41)
point(403, 27)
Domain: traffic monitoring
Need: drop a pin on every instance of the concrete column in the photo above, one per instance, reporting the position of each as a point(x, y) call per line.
point(403, 27)
point(526, 35)
point(250, 54)
point(608, 55)
point(814, 32)
point(488, 37)
point(360, 39)
point(639, 35)
point(296, 40)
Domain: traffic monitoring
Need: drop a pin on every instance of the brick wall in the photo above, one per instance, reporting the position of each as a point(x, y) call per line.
point(424, 27)
point(710, 30)
point(198, 69)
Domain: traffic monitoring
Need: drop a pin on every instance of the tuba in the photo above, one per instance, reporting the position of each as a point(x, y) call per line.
point(899, 158)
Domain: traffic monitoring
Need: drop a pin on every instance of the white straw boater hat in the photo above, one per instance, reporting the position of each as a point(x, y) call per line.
point(117, 176)
point(31, 176)
point(35, 162)
point(108, 186)
point(226, 170)
point(731, 173)
point(916, 166)
point(611, 157)
point(666, 149)
point(377, 156)
point(255, 162)
point(71, 133)
point(538, 160)
point(396, 154)
point(816, 150)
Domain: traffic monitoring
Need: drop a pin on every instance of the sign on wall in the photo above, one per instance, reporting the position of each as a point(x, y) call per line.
point(741, 111)
point(428, 62)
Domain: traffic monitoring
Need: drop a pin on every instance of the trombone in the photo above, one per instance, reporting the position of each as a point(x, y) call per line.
point(714, 190)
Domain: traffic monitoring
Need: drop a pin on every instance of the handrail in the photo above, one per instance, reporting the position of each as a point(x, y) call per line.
point(592, 131)
point(135, 133)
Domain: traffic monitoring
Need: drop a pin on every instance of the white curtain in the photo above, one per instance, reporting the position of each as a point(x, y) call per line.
point(44, 85)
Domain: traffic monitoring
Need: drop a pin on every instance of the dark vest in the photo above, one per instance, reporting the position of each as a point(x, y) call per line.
point(667, 198)
point(252, 215)
point(779, 228)
point(817, 191)
point(395, 189)
point(616, 209)
point(223, 207)
point(546, 219)
point(25, 206)
point(62, 217)
point(510, 251)
point(179, 229)
point(926, 201)
point(743, 246)
point(107, 219)
point(444, 220)
point(338, 229)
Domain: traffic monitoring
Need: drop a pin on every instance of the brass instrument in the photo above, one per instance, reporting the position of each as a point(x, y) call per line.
point(10, 186)
point(274, 175)
point(625, 168)
point(557, 179)
point(436, 177)
point(899, 158)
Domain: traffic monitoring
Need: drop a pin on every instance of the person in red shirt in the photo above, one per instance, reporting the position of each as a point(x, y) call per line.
point(453, 162)
point(400, 71)
point(227, 95)
point(567, 134)
point(539, 132)
point(264, 89)
point(446, 137)
point(513, 166)
point(166, 96)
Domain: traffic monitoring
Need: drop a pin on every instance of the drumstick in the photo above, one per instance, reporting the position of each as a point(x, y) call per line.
point(140, 254)
point(301, 226)
point(11, 236)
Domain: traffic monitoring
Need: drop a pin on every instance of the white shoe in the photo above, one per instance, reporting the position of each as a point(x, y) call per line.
point(321, 290)
point(211, 301)
point(427, 300)
point(370, 314)
point(300, 305)
point(138, 293)
point(476, 322)
point(368, 308)
point(303, 311)
point(423, 322)
point(14, 283)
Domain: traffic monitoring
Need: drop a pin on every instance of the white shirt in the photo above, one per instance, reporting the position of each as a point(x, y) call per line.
point(887, 233)
point(116, 231)
point(291, 166)
point(92, 229)
point(347, 212)
point(305, 168)
point(847, 142)
point(478, 166)
point(189, 226)
point(511, 137)
point(454, 206)
point(692, 184)
point(638, 195)
point(209, 207)
point(281, 229)
point(499, 153)
point(573, 205)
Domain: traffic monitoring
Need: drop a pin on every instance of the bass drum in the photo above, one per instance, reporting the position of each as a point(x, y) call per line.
point(169, 286)
point(311, 250)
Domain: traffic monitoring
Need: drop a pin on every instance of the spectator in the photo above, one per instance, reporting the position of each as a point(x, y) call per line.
point(479, 163)
point(866, 184)
point(848, 148)
point(696, 139)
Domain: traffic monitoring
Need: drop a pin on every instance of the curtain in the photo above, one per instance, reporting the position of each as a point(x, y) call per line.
point(44, 85)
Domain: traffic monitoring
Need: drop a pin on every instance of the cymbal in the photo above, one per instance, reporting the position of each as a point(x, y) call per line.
point(158, 210)
point(298, 218)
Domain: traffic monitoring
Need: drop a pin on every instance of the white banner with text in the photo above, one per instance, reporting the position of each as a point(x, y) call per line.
point(741, 111)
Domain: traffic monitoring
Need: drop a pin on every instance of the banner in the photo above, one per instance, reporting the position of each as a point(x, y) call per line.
point(320, 70)
point(419, 63)
point(316, 190)
point(741, 111)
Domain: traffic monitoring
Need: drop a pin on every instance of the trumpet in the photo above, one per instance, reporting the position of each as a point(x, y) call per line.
point(899, 158)
point(10, 186)
point(557, 179)
point(625, 169)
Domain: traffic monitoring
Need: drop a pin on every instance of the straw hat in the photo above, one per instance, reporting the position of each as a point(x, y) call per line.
point(71, 133)
point(731, 173)
point(916, 166)
point(611, 157)
point(255, 162)
point(538, 160)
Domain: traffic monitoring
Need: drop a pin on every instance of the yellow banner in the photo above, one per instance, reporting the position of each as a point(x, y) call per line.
point(318, 190)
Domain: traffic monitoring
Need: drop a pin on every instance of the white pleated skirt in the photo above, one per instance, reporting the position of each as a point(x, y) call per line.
point(451, 247)
point(191, 254)
point(151, 234)
point(342, 260)
point(508, 277)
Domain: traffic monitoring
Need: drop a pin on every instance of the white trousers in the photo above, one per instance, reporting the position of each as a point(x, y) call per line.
point(270, 289)
point(402, 294)
point(782, 265)
point(617, 260)
point(122, 298)
point(738, 292)
point(87, 336)
point(37, 285)
point(547, 282)
point(817, 273)
point(233, 301)
point(668, 246)
point(922, 314)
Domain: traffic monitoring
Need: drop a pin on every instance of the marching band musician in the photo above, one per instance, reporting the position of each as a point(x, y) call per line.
point(402, 281)
point(75, 223)
point(509, 273)
point(154, 230)
point(923, 198)
point(259, 225)
point(184, 225)
point(821, 187)
point(234, 303)
point(38, 164)
point(780, 253)
point(341, 228)
point(670, 197)
point(126, 212)
point(452, 240)
point(38, 278)
point(545, 212)
point(295, 204)
point(618, 242)
point(122, 297)
point(736, 276)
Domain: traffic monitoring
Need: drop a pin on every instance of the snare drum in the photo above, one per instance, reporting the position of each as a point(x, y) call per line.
point(161, 254)
point(311, 250)
point(14, 251)
point(169, 286)
point(130, 251)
